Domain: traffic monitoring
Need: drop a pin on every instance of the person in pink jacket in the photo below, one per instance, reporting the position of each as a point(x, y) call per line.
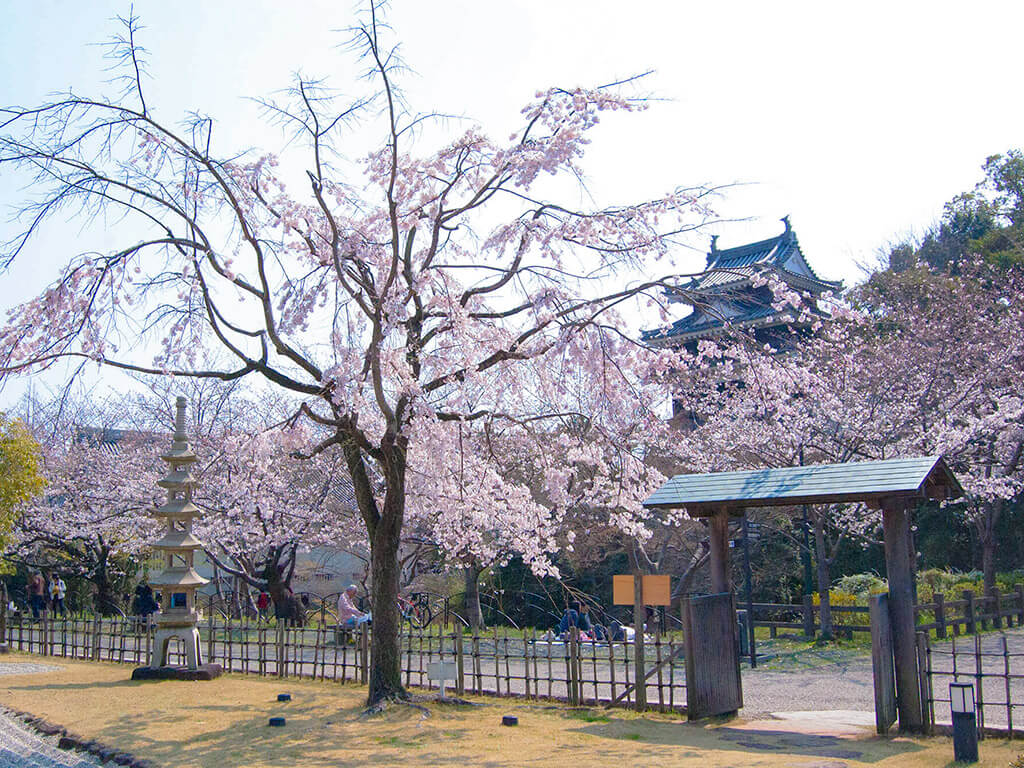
point(348, 614)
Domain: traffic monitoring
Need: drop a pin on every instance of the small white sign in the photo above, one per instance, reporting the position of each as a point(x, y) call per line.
point(442, 670)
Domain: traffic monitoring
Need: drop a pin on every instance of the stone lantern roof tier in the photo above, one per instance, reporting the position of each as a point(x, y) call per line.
point(181, 455)
point(178, 577)
point(178, 508)
point(178, 480)
point(178, 540)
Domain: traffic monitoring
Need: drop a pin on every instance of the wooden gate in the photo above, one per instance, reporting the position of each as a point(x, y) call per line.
point(713, 685)
point(882, 663)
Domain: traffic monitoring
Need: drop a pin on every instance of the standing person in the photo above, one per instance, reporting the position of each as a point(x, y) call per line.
point(36, 590)
point(348, 614)
point(58, 591)
point(144, 603)
point(262, 604)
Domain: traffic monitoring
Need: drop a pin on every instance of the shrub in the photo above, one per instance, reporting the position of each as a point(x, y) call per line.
point(841, 599)
point(862, 585)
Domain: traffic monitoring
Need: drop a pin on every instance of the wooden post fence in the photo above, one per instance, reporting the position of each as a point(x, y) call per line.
point(808, 616)
point(460, 662)
point(3, 617)
point(968, 595)
point(940, 615)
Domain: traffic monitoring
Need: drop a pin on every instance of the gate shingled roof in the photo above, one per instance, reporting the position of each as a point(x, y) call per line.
point(868, 481)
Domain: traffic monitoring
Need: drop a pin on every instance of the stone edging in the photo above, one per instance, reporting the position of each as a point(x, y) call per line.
point(69, 741)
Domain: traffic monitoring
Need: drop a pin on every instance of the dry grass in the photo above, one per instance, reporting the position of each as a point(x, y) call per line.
point(223, 724)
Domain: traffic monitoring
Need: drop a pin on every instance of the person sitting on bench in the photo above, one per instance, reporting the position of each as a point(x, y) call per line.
point(348, 614)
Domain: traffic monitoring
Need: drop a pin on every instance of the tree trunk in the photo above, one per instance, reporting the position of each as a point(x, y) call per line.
point(474, 614)
point(280, 596)
point(988, 563)
point(105, 602)
point(385, 653)
point(824, 577)
point(987, 539)
point(384, 530)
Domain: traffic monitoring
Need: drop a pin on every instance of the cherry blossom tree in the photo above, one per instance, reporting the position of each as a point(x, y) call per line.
point(263, 507)
point(435, 287)
point(92, 521)
point(927, 363)
point(954, 347)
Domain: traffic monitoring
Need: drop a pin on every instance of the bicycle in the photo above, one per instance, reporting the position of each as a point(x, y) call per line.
point(416, 609)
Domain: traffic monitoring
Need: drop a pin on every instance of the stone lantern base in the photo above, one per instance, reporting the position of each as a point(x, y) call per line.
point(193, 669)
point(202, 672)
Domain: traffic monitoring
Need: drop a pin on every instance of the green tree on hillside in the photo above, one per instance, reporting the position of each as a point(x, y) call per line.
point(20, 477)
point(988, 220)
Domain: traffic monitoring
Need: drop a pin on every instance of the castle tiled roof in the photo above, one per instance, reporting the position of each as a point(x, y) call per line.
point(725, 292)
point(731, 267)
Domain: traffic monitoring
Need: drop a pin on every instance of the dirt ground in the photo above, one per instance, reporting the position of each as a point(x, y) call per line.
point(223, 724)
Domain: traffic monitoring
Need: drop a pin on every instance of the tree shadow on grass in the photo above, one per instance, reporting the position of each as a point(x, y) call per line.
point(77, 686)
point(314, 735)
point(764, 741)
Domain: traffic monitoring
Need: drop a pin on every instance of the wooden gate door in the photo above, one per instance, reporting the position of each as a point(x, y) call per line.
point(713, 685)
point(882, 663)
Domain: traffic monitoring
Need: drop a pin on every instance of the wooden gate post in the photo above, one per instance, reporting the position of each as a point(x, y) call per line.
point(713, 681)
point(719, 540)
point(898, 566)
point(882, 662)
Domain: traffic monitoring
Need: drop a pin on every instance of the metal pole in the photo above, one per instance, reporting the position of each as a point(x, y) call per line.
point(805, 554)
point(750, 598)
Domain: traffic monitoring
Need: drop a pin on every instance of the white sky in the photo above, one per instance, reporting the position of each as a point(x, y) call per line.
point(858, 120)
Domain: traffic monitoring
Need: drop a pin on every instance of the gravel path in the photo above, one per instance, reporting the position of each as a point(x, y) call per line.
point(847, 683)
point(842, 685)
point(25, 668)
point(21, 747)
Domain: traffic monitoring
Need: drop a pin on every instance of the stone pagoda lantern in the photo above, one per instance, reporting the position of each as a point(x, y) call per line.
point(178, 581)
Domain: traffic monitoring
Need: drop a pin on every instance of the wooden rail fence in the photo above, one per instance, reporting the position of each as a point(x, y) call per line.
point(946, 617)
point(496, 662)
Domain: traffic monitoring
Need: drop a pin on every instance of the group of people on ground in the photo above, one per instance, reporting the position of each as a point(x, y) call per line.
point(577, 616)
point(46, 592)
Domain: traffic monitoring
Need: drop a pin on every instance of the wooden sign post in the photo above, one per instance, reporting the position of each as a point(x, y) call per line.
point(640, 590)
point(655, 590)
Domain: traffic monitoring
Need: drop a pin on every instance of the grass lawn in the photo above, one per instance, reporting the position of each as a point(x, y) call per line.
point(223, 724)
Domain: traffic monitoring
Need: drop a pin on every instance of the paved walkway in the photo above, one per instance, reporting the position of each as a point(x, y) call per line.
point(847, 684)
point(840, 685)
